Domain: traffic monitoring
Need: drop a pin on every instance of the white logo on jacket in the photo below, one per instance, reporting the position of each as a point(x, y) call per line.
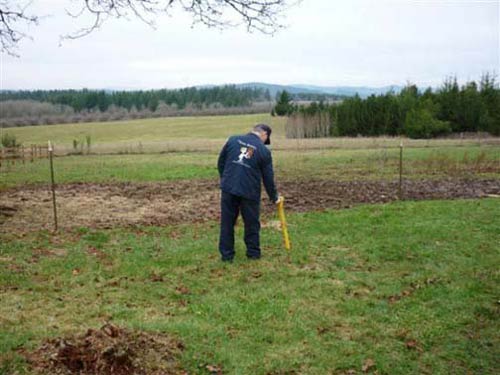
point(245, 153)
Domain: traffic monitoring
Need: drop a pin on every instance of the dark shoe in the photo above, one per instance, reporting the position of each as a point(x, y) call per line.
point(227, 260)
point(253, 257)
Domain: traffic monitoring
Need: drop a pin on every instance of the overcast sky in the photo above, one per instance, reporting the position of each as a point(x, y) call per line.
point(327, 43)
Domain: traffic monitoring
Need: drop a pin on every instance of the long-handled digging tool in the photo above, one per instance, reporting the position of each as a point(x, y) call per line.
point(284, 229)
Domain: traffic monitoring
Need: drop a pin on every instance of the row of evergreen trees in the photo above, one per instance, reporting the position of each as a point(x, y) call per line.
point(452, 108)
point(227, 96)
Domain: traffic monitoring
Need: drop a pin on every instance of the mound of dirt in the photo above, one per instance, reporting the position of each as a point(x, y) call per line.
point(110, 350)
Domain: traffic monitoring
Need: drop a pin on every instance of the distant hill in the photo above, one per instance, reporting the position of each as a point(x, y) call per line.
point(362, 91)
point(274, 89)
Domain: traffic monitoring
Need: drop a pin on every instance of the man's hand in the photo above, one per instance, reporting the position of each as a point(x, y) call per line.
point(277, 201)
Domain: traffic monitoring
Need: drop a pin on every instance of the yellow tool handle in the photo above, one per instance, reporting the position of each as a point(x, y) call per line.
point(284, 229)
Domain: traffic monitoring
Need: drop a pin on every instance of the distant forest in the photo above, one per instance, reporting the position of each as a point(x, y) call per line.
point(78, 100)
point(43, 107)
point(473, 107)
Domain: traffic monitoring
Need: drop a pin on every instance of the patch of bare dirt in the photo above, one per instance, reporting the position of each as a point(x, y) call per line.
point(165, 203)
point(317, 195)
point(109, 350)
point(38, 254)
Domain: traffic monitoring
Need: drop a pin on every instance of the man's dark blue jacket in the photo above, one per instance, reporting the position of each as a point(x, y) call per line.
point(243, 163)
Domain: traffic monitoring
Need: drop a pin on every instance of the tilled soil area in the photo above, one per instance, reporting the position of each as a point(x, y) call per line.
point(130, 204)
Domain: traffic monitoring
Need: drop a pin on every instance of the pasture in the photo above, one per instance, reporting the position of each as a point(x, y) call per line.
point(373, 284)
point(189, 134)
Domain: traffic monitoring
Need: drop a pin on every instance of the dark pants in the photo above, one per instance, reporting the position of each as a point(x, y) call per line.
point(231, 205)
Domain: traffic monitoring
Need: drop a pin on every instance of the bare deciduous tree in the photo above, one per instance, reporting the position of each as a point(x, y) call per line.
point(11, 17)
point(257, 15)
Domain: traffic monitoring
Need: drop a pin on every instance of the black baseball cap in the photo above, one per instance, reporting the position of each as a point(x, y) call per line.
point(267, 129)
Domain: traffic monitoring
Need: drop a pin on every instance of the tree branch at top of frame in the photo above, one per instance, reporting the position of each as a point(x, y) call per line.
point(12, 19)
point(264, 16)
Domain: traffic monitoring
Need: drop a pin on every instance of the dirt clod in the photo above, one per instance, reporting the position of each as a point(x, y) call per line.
point(6, 212)
point(108, 350)
point(368, 365)
point(413, 345)
point(214, 369)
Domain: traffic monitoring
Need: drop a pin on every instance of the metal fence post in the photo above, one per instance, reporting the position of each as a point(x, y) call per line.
point(51, 151)
point(400, 189)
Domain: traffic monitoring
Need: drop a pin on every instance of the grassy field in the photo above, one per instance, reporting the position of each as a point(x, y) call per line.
point(126, 134)
point(188, 134)
point(411, 286)
point(397, 288)
point(187, 147)
point(338, 164)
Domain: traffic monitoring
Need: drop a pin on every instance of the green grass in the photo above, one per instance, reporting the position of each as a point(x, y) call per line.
point(336, 164)
point(144, 130)
point(204, 133)
point(114, 168)
point(413, 286)
point(325, 309)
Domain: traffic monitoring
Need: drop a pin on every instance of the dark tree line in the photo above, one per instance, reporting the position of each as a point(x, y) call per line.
point(472, 107)
point(226, 96)
point(286, 102)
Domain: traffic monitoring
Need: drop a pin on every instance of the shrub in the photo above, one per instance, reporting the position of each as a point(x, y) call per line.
point(283, 105)
point(88, 140)
point(9, 140)
point(420, 123)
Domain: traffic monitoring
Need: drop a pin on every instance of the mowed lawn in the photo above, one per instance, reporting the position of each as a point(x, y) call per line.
point(401, 288)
